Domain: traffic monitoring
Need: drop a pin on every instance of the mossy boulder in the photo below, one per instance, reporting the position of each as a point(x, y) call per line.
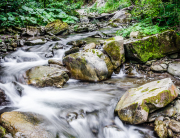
point(43, 76)
point(115, 49)
point(56, 27)
point(136, 104)
point(89, 65)
point(152, 47)
point(27, 123)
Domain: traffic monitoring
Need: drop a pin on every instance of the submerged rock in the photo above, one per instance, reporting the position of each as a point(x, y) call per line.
point(30, 125)
point(136, 104)
point(89, 65)
point(115, 49)
point(152, 47)
point(44, 76)
point(56, 27)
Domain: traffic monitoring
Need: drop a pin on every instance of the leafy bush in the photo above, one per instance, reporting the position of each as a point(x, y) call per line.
point(143, 27)
point(110, 6)
point(33, 13)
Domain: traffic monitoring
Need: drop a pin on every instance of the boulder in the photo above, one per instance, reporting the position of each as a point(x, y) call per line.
point(56, 27)
point(115, 50)
point(89, 65)
point(152, 47)
point(31, 125)
point(121, 17)
point(159, 68)
point(90, 46)
point(43, 76)
point(78, 43)
point(35, 42)
point(136, 104)
point(174, 68)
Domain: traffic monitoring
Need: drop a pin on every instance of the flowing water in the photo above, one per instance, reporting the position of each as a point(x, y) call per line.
point(79, 109)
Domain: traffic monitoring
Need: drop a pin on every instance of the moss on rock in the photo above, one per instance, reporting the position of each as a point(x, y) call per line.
point(56, 27)
point(153, 47)
point(147, 98)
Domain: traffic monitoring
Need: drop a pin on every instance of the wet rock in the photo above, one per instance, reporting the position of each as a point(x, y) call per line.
point(78, 43)
point(50, 54)
point(89, 65)
point(58, 46)
point(115, 50)
point(167, 111)
point(90, 46)
point(19, 88)
point(71, 116)
point(136, 104)
point(174, 126)
point(55, 38)
point(20, 42)
point(35, 42)
point(53, 61)
point(44, 76)
point(56, 27)
point(160, 129)
point(159, 68)
point(83, 27)
point(152, 47)
point(174, 68)
point(3, 98)
point(170, 133)
point(30, 125)
point(71, 51)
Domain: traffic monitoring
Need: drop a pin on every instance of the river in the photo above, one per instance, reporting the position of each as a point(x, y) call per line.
point(79, 109)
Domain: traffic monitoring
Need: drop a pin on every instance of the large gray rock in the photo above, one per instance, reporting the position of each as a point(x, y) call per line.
point(31, 125)
point(121, 17)
point(136, 104)
point(89, 65)
point(174, 68)
point(115, 50)
point(44, 76)
point(159, 67)
point(152, 47)
point(35, 42)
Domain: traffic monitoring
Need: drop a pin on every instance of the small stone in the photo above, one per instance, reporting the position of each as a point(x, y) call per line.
point(170, 133)
point(174, 126)
point(161, 129)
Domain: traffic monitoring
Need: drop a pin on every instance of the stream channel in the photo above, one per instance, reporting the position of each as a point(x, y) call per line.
point(79, 109)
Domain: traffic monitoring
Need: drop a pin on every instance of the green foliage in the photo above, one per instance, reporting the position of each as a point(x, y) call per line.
point(145, 28)
point(110, 6)
point(33, 13)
